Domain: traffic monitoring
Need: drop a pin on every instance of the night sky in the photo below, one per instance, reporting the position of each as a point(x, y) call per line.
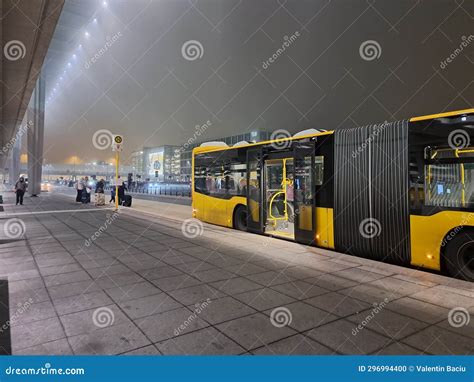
point(153, 70)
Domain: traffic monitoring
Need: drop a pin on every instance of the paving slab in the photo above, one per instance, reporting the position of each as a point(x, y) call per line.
point(263, 331)
point(112, 340)
point(338, 336)
point(206, 341)
point(170, 324)
point(294, 345)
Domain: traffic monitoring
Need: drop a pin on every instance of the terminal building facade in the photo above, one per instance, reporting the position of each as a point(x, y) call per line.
point(173, 163)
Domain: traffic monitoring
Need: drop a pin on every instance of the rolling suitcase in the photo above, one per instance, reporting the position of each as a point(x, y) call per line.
point(100, 199)
point(85, 197)
point(127, 201)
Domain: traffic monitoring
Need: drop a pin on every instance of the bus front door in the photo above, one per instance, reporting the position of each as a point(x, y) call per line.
point(254, 190)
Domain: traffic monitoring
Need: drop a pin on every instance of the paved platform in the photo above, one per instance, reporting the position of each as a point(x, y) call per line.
point(84, 280)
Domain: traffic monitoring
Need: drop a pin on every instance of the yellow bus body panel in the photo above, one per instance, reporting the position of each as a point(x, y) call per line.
point(215, 210)
point(324, 227)
point(427, 234)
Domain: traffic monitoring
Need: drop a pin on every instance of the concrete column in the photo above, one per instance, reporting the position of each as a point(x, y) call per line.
point(35, 115)
point(14, 162)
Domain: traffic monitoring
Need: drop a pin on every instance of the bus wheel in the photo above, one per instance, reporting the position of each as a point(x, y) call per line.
point(460, 256)
point(240, 218)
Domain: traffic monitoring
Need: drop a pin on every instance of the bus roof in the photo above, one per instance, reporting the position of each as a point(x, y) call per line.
point(414, 119)
point(220, 148)
point(442, 115)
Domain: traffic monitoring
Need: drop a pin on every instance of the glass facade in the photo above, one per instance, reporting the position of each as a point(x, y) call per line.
point(136, 162)
point(161, 164)
point(173, 163)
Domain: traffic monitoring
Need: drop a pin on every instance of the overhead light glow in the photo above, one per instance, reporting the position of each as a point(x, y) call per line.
point(69, 64)
point(86, 34)
point(104, 4)
point(95, 20)
point(74, 56)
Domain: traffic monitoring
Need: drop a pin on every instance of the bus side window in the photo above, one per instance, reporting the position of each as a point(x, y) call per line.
point(318, 170)
point(200, 179)
point(417, 184)
point(236, 177)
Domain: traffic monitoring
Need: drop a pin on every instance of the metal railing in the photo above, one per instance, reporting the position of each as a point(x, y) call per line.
point(167, 190)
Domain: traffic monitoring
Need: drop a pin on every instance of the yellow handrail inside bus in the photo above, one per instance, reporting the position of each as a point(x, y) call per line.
point(284, 183)
point(463, 191)
point(271, 203)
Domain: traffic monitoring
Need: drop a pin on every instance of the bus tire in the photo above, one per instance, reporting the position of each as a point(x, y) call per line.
point(459, 256)
point(240, 218)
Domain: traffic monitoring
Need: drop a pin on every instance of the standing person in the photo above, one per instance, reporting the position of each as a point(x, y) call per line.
point(112, 190)
point(99, 193)
point(20, 188)
point(86, 192)
point(80, 189)
point(99, 187)
point(121, 190)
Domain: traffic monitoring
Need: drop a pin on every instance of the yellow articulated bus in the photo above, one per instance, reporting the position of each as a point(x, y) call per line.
point(400, 192)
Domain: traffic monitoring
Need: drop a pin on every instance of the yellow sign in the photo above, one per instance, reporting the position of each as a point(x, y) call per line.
point(118, 139)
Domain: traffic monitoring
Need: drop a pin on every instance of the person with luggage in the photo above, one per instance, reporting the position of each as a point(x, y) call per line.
point(79, 188)
point(86, 192)
point(121, 190)
point(20, 189)
point(99, 193)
